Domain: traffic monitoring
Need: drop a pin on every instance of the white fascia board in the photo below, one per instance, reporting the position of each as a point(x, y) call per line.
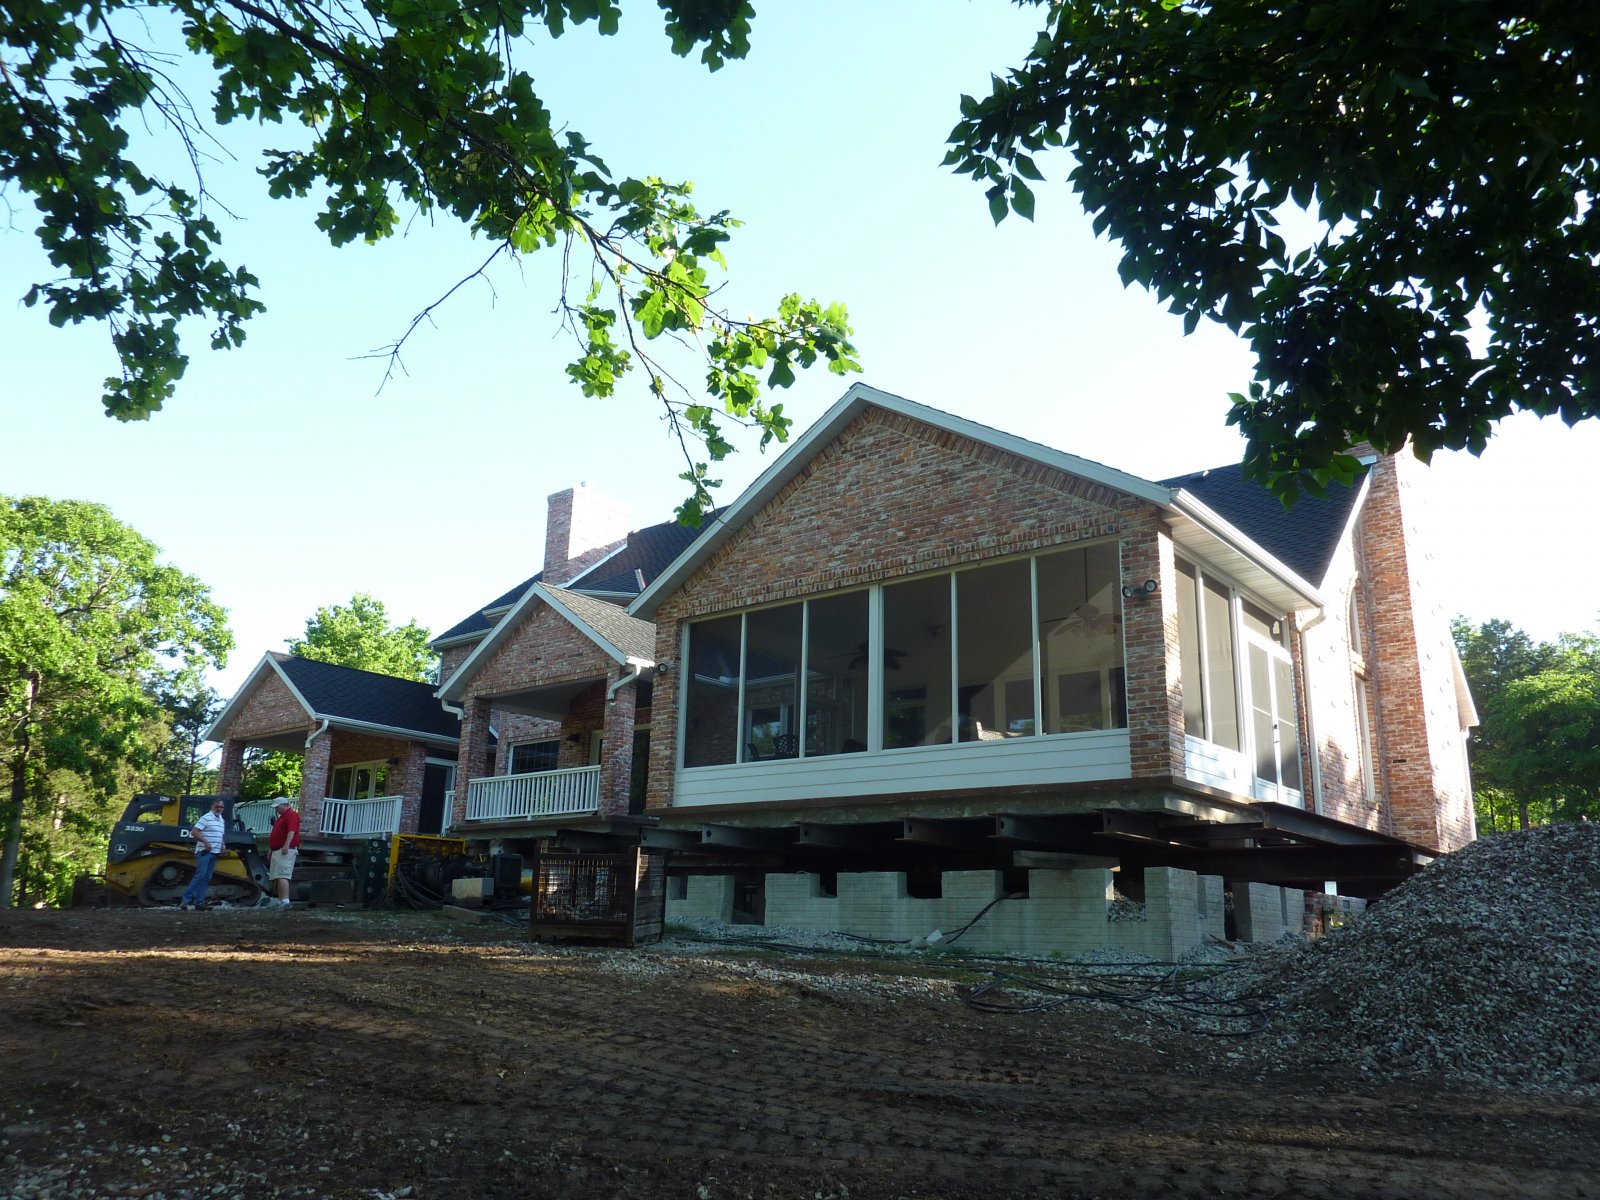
point(613, 652)
point(1466, 707)
point(617, 598)
point(1348, 533)
point(810, 443)
point(414, 735)
point(459, 639)
point(451, 690)
point(267, 662)
point(1186, 505)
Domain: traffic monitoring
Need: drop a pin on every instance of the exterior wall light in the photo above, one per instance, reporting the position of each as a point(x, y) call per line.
point(1138, 591)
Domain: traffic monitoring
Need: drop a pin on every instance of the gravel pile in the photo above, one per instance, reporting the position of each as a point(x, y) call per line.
point(1484, 968)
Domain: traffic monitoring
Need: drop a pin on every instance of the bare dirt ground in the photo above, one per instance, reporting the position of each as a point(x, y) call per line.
point(251, 1054)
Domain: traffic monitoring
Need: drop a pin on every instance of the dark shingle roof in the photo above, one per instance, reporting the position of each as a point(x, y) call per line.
point(345, 692)
point(1303, 538)
point(476, 622)
point(648, 551)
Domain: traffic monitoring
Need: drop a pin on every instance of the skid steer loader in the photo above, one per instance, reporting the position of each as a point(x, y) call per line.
point(151, 856)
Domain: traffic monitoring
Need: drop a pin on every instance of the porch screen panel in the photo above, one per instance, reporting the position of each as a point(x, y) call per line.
point(836, 676)
point(1218, 609)
point(994, 686)
point(1080, 630)
point(1194, 715)
point(771, 724)
point(916, 663)
point(1288, 723)
point(711, 703)
point(1261, 714)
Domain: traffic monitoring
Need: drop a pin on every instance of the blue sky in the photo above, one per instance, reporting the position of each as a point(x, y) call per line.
point(286, 480)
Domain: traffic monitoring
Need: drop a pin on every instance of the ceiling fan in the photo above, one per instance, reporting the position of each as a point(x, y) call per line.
point(891, 658)
point(1088, 619)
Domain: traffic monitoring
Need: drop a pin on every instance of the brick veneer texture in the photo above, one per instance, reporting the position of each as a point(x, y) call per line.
point(892, 497)
point(270, 708)
point(1423, 764)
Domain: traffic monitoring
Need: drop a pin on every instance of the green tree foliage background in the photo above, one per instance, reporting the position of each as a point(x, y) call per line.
point(387, 108)
point(1438, 161)
point(358, 634)
point(1536, 754)
point(95, 632)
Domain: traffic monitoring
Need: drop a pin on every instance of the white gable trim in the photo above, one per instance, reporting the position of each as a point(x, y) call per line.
point(833, 422)
point(455, 687)
point(1252, 566)
point(613, 651)
point(267, 661)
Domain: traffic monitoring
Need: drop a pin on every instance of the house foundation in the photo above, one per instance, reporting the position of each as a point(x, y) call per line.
point(1063, 912)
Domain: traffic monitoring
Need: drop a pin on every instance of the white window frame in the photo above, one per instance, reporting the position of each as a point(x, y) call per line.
point(877, 679)
point(1242, 640)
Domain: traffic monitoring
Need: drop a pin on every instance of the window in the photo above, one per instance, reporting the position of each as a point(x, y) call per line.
point(358, 781)
point(836, 674)
point(772, 638)
point(528, 757)
point(711, 706)
point(1080, 623)
point(1238, 676)
point(916, 662)
point(1011, 649)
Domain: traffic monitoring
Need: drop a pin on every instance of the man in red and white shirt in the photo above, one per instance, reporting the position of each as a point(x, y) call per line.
point(283, 845)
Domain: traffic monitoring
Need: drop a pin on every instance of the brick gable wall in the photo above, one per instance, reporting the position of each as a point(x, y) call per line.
point(893, 497)
point(270, 708)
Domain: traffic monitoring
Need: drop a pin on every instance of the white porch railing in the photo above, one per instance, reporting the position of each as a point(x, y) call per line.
point(257, 814)
point(376, 817)
point(538, 794)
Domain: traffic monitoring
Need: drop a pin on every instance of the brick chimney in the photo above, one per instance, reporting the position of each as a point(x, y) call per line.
point(582, 527)
point(1422, 744)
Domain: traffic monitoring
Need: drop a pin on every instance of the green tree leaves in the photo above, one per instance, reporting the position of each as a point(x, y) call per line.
point(1445, 151)
point(359, 634)
point(386, 107)
point(93, 630)
point(1536, 753)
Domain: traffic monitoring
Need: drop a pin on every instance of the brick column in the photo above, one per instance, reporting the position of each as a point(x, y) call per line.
point(1154, 660)
point(406, 780)
point(314, 782)
point(473, 753)
point(667, 694)
point(616, 753)
point(230, 770)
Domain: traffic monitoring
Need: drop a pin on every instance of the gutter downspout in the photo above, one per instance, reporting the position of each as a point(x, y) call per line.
point(611, 692)
point(317, 732)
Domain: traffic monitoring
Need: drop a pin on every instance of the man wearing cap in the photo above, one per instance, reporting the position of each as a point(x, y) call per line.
point(283, 845)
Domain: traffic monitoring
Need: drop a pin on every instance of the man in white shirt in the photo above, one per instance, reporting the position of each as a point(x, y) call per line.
point(208, 833)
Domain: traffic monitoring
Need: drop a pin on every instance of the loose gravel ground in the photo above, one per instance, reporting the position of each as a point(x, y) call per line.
point(248, 1054)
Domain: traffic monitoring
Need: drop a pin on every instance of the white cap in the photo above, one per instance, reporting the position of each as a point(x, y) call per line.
point(280, 802)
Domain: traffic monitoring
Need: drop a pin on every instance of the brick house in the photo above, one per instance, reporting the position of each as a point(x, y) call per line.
point(922, 662)
point(553, 678)
point(379, 752)
point(918, 646)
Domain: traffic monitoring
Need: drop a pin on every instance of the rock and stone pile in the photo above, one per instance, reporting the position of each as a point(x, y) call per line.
point(1483, 968)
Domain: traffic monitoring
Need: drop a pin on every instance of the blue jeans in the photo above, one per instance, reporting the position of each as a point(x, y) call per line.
point(204, 865)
